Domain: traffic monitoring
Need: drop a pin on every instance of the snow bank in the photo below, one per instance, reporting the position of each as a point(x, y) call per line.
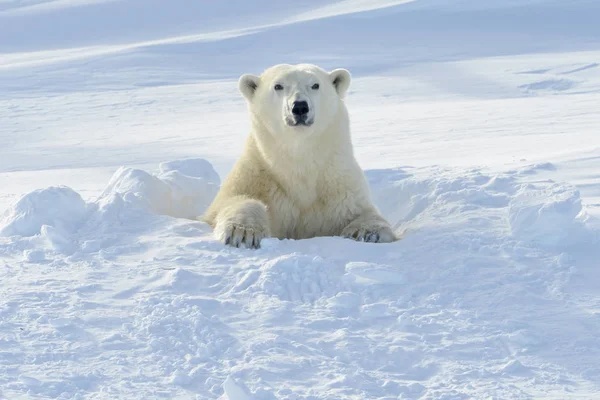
point(59, 207)
point(66, 223)
point(542, 213)
point(182, 189)
point(546, 215)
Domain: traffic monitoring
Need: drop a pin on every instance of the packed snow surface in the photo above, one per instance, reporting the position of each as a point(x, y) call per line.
point(476, 124)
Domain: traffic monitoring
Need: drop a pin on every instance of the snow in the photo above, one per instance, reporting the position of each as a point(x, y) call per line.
point(476, 123)
point(54, 206)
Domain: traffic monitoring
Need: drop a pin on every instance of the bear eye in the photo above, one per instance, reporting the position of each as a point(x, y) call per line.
point(315, 86)
point(278, 87)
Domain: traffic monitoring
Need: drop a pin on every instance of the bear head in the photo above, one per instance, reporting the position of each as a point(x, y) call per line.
point(295, 100)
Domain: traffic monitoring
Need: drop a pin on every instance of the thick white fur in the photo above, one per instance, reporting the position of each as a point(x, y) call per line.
point(296, 181)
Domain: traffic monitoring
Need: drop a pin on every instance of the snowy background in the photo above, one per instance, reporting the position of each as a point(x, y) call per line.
point(478, 125)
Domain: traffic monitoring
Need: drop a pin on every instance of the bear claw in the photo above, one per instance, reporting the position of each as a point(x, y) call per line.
point(370, 234)
point(239, 236)
point(364, 236)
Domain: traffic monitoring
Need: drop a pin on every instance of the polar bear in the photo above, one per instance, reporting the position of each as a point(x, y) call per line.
point(297, 176)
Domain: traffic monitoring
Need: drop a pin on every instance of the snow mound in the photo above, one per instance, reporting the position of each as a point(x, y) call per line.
point(234, 391)
point(434, 195)
point(180, 280)
point(60, 221)
point(297, 277)
point(370, 273)
point(183, 189)
point(59, 207)
point(194, 167)
point(545, 215)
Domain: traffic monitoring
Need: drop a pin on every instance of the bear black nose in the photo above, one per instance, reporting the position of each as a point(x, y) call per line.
point(300, 108)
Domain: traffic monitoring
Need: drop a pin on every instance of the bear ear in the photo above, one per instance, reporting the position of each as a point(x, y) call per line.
point(341, 80)
point(248, 85)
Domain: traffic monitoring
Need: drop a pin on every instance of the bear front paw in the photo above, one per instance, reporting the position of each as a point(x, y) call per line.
point(237, 235)
point(369, 234)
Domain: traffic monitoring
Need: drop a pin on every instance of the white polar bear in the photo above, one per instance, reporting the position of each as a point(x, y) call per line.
point(297, 177)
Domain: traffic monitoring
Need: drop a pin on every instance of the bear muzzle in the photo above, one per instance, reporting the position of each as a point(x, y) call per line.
point(300, 111)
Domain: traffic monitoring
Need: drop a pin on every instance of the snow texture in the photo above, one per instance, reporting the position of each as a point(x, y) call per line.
point(476, 123)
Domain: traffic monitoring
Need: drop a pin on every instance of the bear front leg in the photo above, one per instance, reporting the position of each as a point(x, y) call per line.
point(369, 227)
point(243, 222)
